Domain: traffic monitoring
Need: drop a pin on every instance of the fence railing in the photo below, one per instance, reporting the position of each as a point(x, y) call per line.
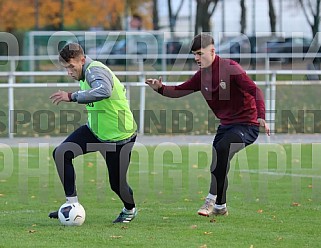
point(270, 82)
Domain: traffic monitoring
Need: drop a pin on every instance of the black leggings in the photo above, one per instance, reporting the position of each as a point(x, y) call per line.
point(117, 158)
point(228, 141)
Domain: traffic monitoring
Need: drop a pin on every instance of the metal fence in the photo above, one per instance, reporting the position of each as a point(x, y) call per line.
point(270, 82)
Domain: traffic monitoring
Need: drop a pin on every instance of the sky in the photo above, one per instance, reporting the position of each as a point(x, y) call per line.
point(293, 22)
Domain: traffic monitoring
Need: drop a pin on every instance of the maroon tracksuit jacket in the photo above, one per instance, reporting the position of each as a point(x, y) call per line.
point(229, 92)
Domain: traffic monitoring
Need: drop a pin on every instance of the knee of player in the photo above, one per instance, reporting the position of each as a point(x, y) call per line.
point(60, 152)
point(222, 148)
point(121, 189)
point(54, 153)
point(115, 187)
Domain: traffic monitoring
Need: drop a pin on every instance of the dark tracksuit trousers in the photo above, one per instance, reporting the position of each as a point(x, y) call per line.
point(228, 140)
point(117, 157)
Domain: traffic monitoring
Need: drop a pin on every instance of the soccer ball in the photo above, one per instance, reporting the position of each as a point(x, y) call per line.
point(71, 214)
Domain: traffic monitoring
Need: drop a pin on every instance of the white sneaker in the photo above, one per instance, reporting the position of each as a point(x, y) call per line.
point(208, 207)
point(221, 211)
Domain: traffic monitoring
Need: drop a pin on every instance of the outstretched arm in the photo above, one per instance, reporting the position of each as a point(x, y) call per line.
point(101, 86)
point(190, 86)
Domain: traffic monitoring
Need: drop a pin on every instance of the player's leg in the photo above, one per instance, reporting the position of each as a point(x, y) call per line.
point(225, 145)
point(225, 149)
point(234, 139)
point(74, 145)
point(208, 207)
point(118, 160)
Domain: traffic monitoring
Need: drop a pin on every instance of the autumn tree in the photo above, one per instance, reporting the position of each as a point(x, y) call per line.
point(16, 14)
point(70, 14)
point(81, 14)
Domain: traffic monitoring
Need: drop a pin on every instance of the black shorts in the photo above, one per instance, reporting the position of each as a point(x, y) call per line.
point(248, 133)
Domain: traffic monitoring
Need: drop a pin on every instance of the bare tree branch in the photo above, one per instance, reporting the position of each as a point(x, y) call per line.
point(305, 12)
point(214, 7)
point(173, 16)
point(179, 8)
point(311, 8)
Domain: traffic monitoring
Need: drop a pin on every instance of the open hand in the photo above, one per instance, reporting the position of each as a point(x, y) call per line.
point(59, 96)
point(155, 84)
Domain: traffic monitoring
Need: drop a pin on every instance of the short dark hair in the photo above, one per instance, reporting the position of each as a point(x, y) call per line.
point(201, 41)
point(70, 51)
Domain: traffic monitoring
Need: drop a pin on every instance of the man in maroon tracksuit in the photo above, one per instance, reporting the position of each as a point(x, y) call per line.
point(235, 99)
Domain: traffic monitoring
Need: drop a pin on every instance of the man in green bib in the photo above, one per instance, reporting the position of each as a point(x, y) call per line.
point(111, 128)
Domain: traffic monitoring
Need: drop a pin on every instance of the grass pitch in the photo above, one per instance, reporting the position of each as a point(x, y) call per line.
point(273, 199)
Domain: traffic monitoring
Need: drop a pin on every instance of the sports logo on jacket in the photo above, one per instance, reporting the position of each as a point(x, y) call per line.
point(223, 85)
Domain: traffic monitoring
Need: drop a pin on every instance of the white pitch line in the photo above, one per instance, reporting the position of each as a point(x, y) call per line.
point(272, 173)
point(28, 211)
